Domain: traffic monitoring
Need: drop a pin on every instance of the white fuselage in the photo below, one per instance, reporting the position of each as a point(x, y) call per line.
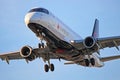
point(59, 29)
point(53, 24)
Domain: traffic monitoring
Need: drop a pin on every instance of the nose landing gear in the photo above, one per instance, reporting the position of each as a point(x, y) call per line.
point(41, 45)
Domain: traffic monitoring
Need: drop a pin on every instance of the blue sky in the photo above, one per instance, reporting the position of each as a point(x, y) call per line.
point(79, 15)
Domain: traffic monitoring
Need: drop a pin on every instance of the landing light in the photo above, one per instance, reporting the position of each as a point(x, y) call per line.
point(72, 41)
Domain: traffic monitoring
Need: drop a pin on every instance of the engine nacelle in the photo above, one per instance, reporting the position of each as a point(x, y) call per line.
point(89, 42)
point(27, 53)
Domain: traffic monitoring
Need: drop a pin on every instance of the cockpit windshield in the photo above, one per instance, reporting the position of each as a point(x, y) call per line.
point(39, 10)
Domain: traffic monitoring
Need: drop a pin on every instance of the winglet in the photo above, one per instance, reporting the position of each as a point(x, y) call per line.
point(95, 32)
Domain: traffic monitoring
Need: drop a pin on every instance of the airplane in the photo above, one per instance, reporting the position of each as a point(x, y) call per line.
point(62, 43)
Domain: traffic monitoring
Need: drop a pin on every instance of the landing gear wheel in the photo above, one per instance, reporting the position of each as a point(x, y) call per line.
point(52, 67)
point(46, 67)
point(42, 45)
point(87, 62)
point(92, 60)
point(39, 45)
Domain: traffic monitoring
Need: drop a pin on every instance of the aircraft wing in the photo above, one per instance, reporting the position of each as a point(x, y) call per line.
point(109, 42)
point(37, 52)
point(104, 59)
point(102, 42)
point(11, 56)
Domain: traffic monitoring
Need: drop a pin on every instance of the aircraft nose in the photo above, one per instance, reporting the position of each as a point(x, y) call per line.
point(32, 18)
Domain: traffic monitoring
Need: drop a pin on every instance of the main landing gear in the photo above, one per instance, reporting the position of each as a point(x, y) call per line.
point(88, 61)
point(47, 67)
point(46, 57)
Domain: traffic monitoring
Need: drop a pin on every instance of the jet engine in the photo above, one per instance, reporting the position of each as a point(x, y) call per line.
point(89, 42)
point(27, 53)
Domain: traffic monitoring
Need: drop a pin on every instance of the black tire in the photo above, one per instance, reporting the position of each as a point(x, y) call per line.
point(43, 46)
point(46, 68)
point(92, 60)
point(87, 62)
point(39, 45)
point(52, 67)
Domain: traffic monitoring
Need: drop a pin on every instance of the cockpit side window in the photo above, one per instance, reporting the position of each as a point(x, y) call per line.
point(39, 10)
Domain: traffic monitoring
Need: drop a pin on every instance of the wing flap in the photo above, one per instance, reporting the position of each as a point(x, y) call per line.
point(109, 42)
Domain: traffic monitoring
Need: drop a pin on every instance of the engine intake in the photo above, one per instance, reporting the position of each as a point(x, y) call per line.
point(26, 52)
point(89, 42)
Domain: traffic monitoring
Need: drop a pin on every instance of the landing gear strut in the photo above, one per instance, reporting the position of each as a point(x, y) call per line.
point(46, 57)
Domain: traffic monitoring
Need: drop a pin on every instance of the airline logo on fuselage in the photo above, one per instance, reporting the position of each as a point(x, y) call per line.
point(62, 31)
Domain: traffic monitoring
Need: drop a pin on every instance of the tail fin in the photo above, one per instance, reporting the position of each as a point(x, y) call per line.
point(95, 32)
